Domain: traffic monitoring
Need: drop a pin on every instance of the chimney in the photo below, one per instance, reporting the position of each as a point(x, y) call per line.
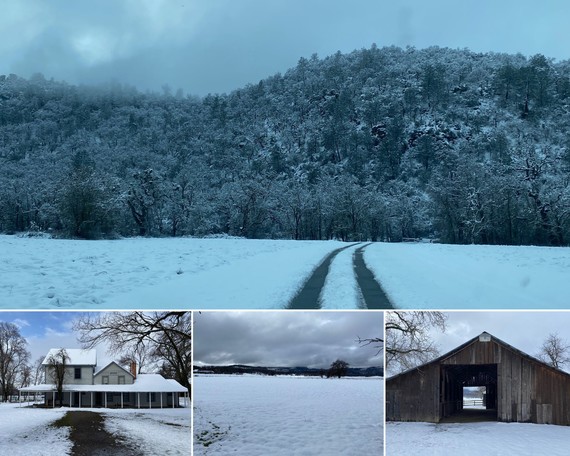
point(134, 369)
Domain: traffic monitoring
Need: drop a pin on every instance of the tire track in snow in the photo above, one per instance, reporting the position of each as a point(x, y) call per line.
point(372, 293)
point(308, 296)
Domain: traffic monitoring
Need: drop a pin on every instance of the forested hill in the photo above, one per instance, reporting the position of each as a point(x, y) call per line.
point(379, 144)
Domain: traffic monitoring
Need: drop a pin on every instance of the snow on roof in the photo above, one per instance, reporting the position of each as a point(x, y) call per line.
point(144, 383)
point(77, 356)
point(98, 369)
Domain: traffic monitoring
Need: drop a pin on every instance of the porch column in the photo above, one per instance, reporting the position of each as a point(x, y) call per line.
point(79, 399)
point(149, 400)
point(161, 399)
point(105, 393)
point(173, 397)
point(19, 398)
point(71, 399)
point(122, 399)
point(91, 399)
point(138, 400)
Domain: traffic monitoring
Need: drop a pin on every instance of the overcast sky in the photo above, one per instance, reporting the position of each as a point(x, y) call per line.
point(286, 338)
point(205, 46)
point(525, 330)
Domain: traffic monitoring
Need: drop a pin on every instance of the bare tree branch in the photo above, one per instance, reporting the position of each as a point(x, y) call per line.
point(555, 351)
point(408, 342)
point(165, 336)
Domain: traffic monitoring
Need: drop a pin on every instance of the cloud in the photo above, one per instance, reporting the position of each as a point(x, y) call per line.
point(21, 323)
point(217, 46)
point(313, 339)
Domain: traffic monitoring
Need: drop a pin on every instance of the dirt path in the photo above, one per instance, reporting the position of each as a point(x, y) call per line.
point(308, 296)
point(90, 438)
point(373, 294)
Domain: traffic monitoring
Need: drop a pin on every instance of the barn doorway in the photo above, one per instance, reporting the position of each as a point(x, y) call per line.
point(454, 380)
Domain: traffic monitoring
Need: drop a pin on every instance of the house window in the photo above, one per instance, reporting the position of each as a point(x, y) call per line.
point(105, 379)
point(121, 379)
point(77, 374)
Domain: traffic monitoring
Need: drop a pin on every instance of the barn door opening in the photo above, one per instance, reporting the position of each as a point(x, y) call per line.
point(455, 380)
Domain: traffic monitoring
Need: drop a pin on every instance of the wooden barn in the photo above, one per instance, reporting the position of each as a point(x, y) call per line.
point(518, 386)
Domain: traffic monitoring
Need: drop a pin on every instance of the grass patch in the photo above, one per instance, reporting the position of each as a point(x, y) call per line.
point(208, 437)
point(64, 421)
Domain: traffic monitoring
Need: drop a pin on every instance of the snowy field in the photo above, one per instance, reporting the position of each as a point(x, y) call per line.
point(283, 416)
point(476, 439)
point(152, 432)
point(154, 273)
point(440, 276)
point(265, 274)
point(26, 431)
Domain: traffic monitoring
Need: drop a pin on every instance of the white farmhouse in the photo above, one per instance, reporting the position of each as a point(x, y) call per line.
point(86, 384)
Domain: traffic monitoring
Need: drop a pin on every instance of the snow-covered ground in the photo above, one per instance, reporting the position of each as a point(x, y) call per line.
point(440, 276)
point(152, 432)
point(25, 431)
point(154, 273)
point(475, 439)
point(283, 416)
point(241, 274)
point(341, 290)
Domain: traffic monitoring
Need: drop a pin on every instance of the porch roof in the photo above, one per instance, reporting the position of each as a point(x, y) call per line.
point(145, 383)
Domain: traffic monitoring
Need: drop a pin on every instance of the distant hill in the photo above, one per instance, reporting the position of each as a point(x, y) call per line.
point(380, 144)
point(262, 370)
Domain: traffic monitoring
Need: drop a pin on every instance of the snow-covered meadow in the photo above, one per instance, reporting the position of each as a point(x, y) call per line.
point(475, 439)
point(26, 430)
point(256, 415)
point(154, 273)
point(441, 276)
point(151, 431)
point(265, 274)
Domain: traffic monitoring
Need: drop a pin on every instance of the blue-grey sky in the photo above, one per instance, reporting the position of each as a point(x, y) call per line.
point(208, 46)
point(525, 330)
point(44, 330)
point(286, 338)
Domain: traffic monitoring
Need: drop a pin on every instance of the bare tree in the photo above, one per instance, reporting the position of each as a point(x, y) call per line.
point(38, 371)
point(140, 354)
point(555, 351)
point(57, 371)
point(338, 368)
point(13, 357)
point(165, 336)
point(408, 341)
point(25, 376)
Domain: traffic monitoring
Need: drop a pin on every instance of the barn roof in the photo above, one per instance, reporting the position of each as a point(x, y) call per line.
point(473, 340)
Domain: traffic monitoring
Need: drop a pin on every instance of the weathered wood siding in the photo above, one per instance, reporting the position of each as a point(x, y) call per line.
point(527, 390)
point(414, 396)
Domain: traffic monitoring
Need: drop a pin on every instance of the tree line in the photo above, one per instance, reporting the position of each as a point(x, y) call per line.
point(378, 144)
